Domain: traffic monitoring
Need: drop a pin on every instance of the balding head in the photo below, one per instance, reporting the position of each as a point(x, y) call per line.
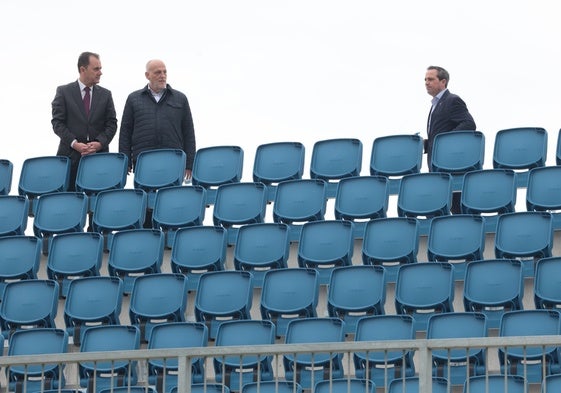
point(156, 73)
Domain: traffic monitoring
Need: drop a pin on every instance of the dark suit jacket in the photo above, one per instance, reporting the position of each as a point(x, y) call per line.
point(70, 122)
point(450, 114)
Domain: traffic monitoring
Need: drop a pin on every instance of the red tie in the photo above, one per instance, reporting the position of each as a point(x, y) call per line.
point(87, 101)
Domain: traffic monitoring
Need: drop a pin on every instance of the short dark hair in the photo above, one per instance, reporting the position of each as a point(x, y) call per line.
point(84, 59)
point(441, 73)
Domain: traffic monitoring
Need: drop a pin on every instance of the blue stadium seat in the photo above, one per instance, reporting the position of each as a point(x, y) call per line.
point(547, 283)
point(6, 173)
point(20, 257)
point(542, 193)
point(14, 211)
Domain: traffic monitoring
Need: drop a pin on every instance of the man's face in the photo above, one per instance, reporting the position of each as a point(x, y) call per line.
point(157, 76)
point(91, 74)
point(433, 84)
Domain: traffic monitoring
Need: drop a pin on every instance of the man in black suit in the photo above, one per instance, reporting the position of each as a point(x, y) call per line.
point(448, 113)
point(84, 115)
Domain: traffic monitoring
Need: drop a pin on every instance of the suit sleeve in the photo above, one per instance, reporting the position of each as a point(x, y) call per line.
point(125, 134)
point(189, 141)
point(460, 115)
point(60, 118)
point(110, 123)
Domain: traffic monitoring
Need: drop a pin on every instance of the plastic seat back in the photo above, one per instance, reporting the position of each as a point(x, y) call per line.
point(20, 257)
point(134, 252)
point(495, 383)
point(457, 239)
point(425, 195)
point(276, 162)
point(157, 298)
point(547, 283)
point(390, 242)
point(28, 304)
point(228, 370)
point(489, 191)
point(6, 173)
point(532, 363)
point(239, 204)
point(73, 255)
point(362, 197)
point(261, 247)
point(222, 296)
point(44, 175)
point(162, 372)
point(197, 250)
point(520, 148)
point(178, 207)
point(355, 292)
point(92, 301)
point(456, 364)
point(300, 201)
point(106, 374)
point(37, 341)
point(493, 287)
point(119, 209)
point(411, 385)
point(524, 235)
point(272, 387)
point(288, 294)
point(384, 366)
point(396, 155)
point(543, 193)
point(14, 211)
point(325, 245)
point(458, 152)
point(423, 289)
point(308, 369)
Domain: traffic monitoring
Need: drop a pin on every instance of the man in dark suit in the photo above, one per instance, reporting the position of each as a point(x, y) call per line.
point(84, 115)
point(448, 113)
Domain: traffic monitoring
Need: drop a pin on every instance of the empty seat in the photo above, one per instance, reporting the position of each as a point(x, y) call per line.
point(238, 204)
point(458, 364)
point(390, 242)
point(99, 172)
point(158, 168)
point(73, 255)
point(135, 252)
point(276, 162)
point(520, 149)
point(6, 173)
point(206, 388)
point(14, 210)
point(288, 294)
point(394, 156)
point(543, 192)
point(221, 296)
point(324, 245)
point(334, 159)
point(300, 201)
point(127, 389)
point(43, 175)
point(98, 375)
point(307, 369)
point(157, 298)
point(551, 383)
point(261, 247)
point(524, 235)
point(425, 195)
point(92, 301)
point(423, 289)
point(38, 341)
point(28, 304)
point(489, 192)
point(384, 366)
point(163, 372)
point(493, 287)
point(547, 283)
point(530, 362)
point(355, 292)
point(57, 213)
point(178, 207)
point(20, 257)
point(411, 385)
point(457, 239)
point(345, 385)
point(495, 383)
point(217, 165)
point(458, 152)
point(116, 210)
point(235, 371)
point(361, 198)
point(197, 250)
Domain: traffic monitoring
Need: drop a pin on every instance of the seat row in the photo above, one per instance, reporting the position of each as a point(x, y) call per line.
point(305, 369)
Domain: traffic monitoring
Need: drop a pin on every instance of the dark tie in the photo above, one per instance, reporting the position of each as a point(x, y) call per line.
point(87, 99)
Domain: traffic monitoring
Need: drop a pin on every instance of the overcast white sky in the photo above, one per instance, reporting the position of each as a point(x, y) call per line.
point(264, 71)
